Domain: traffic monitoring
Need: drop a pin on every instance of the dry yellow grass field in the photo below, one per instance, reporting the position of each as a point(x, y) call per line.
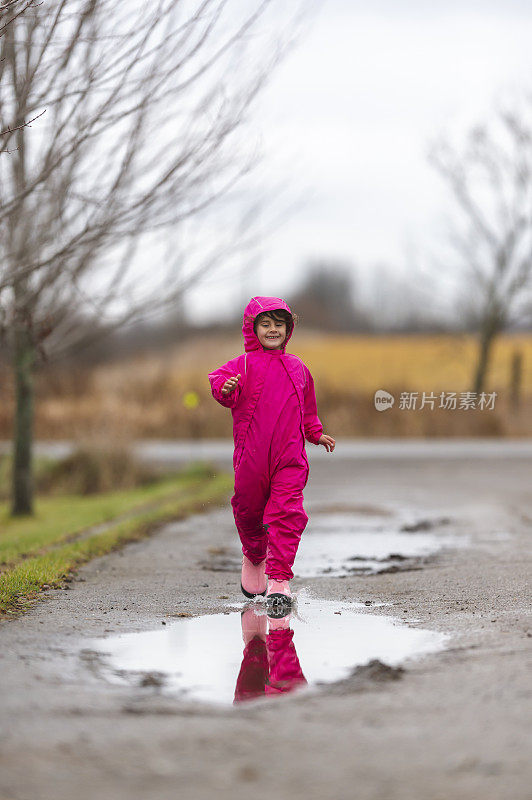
point(144, 396)
point(430, 363)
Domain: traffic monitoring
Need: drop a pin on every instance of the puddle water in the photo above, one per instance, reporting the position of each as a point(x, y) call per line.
point(340, 544)
point(244, 655)
point(361, 542)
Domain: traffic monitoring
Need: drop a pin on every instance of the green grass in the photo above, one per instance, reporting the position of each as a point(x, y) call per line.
point(38, 551)
point(57, 518)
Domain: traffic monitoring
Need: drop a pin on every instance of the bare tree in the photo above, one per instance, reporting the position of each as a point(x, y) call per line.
point(490, 178)
point(144, 102)
point(9, 11)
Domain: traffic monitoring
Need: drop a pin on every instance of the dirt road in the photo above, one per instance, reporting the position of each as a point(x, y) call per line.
point(454, 724)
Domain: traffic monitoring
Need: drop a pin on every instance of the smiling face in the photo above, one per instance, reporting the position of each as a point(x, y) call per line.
point(271, 333)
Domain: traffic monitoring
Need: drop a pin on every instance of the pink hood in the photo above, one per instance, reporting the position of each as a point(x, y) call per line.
point(255, 306)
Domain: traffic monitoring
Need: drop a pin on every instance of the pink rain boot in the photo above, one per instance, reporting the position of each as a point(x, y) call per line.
point(253, 582)
point(278, 597)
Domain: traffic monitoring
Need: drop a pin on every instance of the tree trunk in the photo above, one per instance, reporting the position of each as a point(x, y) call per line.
point(516, 379)
point(487, 336)
point(23, 363)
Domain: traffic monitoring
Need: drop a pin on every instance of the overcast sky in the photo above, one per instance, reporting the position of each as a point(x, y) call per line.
point(346, 122)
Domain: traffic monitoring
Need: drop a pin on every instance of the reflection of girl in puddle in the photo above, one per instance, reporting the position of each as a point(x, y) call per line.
point(270, 665)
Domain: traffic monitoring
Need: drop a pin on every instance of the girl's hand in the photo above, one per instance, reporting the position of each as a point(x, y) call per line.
point(327, 441)
point(230, 384)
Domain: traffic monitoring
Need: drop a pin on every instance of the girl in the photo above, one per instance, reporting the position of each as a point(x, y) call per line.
point(272, 400)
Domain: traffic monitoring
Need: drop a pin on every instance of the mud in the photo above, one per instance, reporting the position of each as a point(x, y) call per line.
point(453, 723)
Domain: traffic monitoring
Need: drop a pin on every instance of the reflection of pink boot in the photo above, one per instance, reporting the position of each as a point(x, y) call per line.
point(276, 624)
point(253, 580)
point(253, 673)
point(253, 625)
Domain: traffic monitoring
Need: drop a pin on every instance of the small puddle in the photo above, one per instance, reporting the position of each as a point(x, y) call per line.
point(244, 655)
point(339, 544)
point(357, 542)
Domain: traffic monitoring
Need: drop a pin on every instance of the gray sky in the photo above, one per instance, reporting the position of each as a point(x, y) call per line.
point(346, 122)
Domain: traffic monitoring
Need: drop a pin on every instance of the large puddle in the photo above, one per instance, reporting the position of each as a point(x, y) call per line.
point(244, 655)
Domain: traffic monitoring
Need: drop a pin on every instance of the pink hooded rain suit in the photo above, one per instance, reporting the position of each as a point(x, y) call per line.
point(274, 411)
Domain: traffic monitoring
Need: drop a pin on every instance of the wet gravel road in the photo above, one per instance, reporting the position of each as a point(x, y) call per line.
point(451, 724)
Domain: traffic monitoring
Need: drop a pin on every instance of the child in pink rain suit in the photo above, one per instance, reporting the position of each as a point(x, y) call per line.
point(273, 403)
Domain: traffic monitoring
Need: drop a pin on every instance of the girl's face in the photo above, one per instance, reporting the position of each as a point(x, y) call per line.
point(271, 333)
